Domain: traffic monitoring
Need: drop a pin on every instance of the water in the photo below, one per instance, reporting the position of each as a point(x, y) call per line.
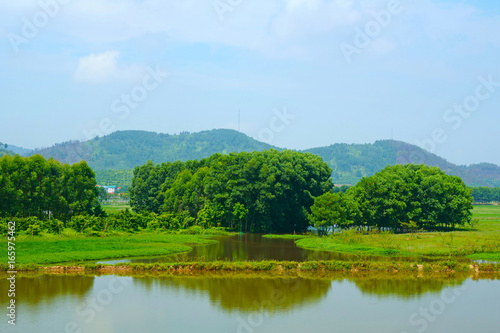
point(250, 247)
point(252, 302)
point(243, 302)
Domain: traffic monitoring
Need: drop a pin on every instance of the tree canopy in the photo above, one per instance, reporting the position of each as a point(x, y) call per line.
point(486, 194)
point(268, 191)
point(34, 186)
point(397, 196)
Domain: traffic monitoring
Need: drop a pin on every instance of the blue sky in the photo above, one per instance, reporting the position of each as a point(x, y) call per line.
point(304, 73)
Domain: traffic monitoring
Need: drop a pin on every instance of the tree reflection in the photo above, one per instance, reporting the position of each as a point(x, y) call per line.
point(33, 289)
point(247, 293)
point(243, 291)
point(406, 286)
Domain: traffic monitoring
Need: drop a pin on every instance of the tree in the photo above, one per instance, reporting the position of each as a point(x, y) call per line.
point(240, 213)
point(404, 193)
point(323, 212)
point(333, 210)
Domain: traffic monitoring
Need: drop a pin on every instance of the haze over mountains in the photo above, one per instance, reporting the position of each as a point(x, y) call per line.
point(349, 162)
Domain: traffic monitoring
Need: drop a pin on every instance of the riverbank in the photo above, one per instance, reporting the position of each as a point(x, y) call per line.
point(74, 247)
point(267, 266)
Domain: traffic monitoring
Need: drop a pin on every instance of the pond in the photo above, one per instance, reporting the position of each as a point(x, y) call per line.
point(250, 247)
point(238, 302)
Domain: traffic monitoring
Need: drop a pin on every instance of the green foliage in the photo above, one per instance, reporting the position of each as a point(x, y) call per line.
point(34, 230)
point(268, 191)
point(33, 186)
point(240, 213)
point(404, 193)
point(333, 210)
point(486, 194)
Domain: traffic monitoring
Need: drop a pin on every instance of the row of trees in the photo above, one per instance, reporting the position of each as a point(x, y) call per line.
point(486, 194)
point(397, 198)
point(268, 191)
point(34, 186)
point(125, 221)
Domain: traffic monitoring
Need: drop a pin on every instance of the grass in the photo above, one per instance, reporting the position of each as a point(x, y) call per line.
point(480, 242)
point(113, 209)
point(294, 237)
point(450, 266)
point(73, 247)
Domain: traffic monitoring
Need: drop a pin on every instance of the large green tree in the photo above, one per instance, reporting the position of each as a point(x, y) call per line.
point(405, 193)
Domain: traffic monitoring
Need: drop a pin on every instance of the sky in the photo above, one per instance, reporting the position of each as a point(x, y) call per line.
point(294, 73)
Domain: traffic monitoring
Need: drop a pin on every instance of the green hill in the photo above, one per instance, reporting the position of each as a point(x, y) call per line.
point(351, 162)
point(127, 149)
point(4, 152)
point(19, 150)
point(113, 156)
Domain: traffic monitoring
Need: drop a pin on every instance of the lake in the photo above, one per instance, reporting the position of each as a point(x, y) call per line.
point(244, 302)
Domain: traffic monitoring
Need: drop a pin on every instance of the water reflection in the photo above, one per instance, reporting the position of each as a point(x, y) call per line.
point(243, 292)
point(34, 288)
point(405, 286)
point(246, 293)
point(252, 247)
point(249, 302)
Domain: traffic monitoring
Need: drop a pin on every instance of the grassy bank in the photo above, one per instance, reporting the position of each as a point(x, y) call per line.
point(73, 247)
point(294, 237)
point(480, 242)
point(270, 266)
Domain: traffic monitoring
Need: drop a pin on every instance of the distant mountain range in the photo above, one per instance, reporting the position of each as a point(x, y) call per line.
point(19, 150)
point(349, 162)
point(12, 150)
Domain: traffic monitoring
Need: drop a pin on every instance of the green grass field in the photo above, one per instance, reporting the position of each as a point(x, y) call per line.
point(113, 209)
point(51, 249)
point(480, 242)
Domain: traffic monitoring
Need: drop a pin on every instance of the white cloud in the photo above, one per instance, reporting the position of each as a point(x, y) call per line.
point(273, 27)
point(103, 68)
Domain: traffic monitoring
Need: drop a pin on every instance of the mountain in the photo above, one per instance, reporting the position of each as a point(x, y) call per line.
point(350, 162)
point(6, 149)
point(127, 149)
point(19, 150)
point(4, 152)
